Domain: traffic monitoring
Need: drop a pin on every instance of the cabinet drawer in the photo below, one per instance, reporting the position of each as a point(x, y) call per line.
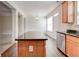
point(27, 43)
point(72, 38)
point(23, 43)
point(36, 43)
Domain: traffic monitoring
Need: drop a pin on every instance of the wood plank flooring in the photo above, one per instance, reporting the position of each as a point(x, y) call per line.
point(51, 48)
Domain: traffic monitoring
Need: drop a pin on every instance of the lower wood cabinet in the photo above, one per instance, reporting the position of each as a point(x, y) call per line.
point(22, 51)
point(72, 46)
point(31, 48)
point(76, 50)
point(69, 48)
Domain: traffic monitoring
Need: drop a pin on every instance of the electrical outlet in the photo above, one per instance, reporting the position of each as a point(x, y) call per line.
point(30, 48)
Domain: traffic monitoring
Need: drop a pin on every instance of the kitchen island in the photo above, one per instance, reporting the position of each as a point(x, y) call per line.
point(31, 44)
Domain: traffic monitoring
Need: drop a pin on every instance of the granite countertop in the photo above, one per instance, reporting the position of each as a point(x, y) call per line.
point(32, 36)
point(71, 34)
point(4, 47)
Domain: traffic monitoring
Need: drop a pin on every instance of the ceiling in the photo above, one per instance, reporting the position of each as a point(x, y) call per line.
point(37, 8)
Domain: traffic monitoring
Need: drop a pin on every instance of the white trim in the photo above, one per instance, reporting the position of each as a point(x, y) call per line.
point(56, 14)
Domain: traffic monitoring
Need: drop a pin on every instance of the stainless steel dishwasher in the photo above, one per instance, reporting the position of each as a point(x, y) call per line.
point(61, 41)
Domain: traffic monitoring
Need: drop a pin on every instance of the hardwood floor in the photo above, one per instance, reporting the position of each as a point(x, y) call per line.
point(51, 49)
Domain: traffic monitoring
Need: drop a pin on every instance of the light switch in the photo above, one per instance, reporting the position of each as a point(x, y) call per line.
point(30, 48)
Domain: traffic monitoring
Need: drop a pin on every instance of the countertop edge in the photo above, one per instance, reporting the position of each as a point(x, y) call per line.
point(29, 39)
point(69, 34)
point(62, 32)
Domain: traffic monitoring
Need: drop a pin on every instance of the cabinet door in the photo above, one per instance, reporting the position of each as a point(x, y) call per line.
point(71, 11)
point(41, 51)
point(72, 49)
point(65, 12)
point(38, 49)
point(68, 11)
point(72, 46)
point(76, 50)
point(69, 48)
point(21, 51)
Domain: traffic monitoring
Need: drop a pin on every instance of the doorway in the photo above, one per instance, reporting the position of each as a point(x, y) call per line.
point(5, 24)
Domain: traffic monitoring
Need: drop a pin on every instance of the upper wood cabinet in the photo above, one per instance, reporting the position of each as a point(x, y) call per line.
point(64, 11)
point(68, 11)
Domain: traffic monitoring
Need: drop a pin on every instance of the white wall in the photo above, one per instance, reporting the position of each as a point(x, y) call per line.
point(20, 25)
point(15, 11)
point(6, 24)
point(25, 25)
point(58, 25)
point(31, 23)
point(56, 22)
point(6, 29)
point(35, 24)
point(15, 24)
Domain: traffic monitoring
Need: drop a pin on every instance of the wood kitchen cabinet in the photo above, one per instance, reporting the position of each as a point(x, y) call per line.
point(76, 50)
point(72, 46)
point(64, 11)
point(69, 47)
point(38, 48)
point(68, 11)
point(31, 44)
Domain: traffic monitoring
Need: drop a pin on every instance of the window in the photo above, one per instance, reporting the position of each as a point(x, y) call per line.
point(77, 12)
point(49, 24)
